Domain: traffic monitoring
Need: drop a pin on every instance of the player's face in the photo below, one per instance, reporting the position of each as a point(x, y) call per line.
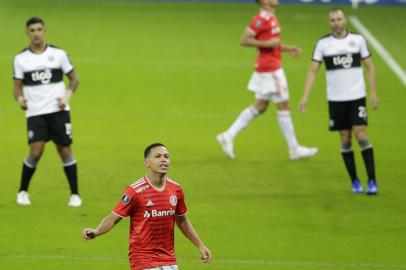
point(158, 160)
point(36, 33)
point(337, 22)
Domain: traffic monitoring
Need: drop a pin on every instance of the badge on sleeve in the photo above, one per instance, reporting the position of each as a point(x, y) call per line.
point(125, 199)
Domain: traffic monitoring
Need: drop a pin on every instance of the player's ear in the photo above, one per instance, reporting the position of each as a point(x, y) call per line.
point(146, 162)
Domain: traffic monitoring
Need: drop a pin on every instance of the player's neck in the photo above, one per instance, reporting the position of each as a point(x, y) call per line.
point(341, 34)
point(156, 179)
point(38, 48)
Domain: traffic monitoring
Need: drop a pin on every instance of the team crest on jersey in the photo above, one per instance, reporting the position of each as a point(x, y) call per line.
point(125, 199)
point(258, 24)
point(173, 200)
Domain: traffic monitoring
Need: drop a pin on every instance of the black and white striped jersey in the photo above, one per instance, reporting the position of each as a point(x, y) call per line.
point(342, 58)
point(42, 76)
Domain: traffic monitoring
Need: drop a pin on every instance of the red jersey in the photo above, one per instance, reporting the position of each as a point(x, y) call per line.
point(152, 213)
point(266, 26)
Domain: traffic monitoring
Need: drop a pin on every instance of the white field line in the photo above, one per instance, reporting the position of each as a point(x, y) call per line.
point(385, 55)
point(253, 262)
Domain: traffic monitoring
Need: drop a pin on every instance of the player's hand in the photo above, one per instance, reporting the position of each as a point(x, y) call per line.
point(89, 234)
point(295, 51)
point(22, 102)
point(62, 103)
point(302, 105)
point(205, 254)
point(374, 102)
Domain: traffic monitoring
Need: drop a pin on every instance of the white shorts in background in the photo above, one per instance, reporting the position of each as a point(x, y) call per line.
point(267, 85)
point(168, 267)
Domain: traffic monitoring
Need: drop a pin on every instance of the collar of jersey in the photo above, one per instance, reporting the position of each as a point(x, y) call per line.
point(46, 47)
point(348, 33)
point(157, 189)
point(265, 14)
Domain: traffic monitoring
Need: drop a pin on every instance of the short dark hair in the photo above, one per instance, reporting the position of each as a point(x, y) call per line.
point(33, 20)
point(257, 1)
point(147, 150)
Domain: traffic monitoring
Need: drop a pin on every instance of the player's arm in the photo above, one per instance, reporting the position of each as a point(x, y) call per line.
point(73, 85)
point(248, 39)
point(292, 50)
point(105, 225)
point(311, 77)
point(187, 229)
point(370, 70)
point(18, 94)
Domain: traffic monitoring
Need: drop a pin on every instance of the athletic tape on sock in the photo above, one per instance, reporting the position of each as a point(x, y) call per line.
point(69, 161)
point(365, 145)
point(29, 162)
point(346, 148)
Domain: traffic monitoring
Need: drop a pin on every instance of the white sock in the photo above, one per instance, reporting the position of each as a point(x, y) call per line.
point(286, 125)
point(242, 121)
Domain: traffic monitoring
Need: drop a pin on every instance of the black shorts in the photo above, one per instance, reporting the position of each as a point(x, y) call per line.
point(54, 126)
point(346, 114)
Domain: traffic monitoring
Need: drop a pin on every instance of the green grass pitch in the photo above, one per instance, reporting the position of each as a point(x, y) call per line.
point(175, 73)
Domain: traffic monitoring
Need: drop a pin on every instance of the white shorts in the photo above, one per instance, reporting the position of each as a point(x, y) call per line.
point(166, 267)
point(270, 86)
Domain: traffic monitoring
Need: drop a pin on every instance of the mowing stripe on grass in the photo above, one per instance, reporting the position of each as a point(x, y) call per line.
point(259, 262)
point(385, 55)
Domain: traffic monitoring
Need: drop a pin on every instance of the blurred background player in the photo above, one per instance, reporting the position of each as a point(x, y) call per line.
point(268, 82)
point(154, 204)
point(343, 53)
point(40, 91)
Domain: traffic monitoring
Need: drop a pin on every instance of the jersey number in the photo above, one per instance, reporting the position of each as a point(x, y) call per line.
point(362, 112)
point(68, 128)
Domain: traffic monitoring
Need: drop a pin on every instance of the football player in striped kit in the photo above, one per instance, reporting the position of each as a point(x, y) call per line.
point(40, 90)
point(343, 53)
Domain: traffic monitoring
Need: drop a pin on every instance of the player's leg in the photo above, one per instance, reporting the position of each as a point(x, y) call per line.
point(281, 100)
point(257, 84)
point(359, 122)
point(226, 139)
point(38, 134)
point(368, 157)
point(62, 137)
point(349, 161)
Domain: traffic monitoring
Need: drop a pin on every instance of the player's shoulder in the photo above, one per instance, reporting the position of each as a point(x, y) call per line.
point(324, 37)
point(57, 49)
point(173, 183)
point(139, 182)
point(21, 53)
point(355, 35)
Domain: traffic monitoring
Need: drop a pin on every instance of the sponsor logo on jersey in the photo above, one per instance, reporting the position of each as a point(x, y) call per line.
point(173, 200)
point(42, 76)
point(149, 203)
point(125, 199)
point(158, 213)
point(343, 60)
point(141, 189)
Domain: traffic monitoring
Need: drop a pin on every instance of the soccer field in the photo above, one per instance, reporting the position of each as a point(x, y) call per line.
point(175, 73)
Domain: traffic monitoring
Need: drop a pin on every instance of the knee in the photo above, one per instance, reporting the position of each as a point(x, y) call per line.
point(261, 108)
point(35, 154)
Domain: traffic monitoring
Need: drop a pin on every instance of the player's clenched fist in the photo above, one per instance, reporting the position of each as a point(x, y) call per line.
point(89, 234)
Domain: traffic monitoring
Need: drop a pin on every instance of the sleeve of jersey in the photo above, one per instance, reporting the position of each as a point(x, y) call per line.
point(255, 25)
point(18, 73)
point(66, 64)
point(365, 53)
point(181, 208)
point(317, 53)
point(126, 205)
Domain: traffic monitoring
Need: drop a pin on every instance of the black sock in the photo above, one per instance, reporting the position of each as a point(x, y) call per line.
point(368, 155)
point(26, 177)
point(349, 162)
point(72, 175)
